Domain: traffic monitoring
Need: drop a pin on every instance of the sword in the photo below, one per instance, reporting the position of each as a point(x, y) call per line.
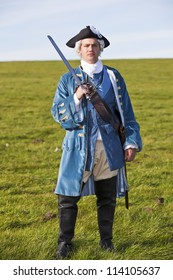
point(78, 81)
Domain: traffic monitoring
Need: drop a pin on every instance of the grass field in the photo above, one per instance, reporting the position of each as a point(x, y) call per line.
point(30, 151)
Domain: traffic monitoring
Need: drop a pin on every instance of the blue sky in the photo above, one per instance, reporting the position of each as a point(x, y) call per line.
point(135, 29)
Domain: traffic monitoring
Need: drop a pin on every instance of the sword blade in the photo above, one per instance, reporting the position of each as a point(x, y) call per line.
point(78, 81)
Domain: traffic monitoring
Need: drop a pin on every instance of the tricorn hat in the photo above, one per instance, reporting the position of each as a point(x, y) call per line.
point(88, 32)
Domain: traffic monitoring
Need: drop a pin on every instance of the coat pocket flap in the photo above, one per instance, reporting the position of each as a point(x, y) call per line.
point(71, 143)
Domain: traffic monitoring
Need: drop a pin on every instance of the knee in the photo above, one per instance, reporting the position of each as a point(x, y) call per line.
point(67, 201)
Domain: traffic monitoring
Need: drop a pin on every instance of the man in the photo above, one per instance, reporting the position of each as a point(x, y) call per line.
point(93, 157)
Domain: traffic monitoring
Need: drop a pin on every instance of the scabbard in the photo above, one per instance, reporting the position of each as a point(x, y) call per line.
point(127, 200)
point(126, 192)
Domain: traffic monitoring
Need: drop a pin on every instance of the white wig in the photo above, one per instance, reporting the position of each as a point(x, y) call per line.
point(79, 43)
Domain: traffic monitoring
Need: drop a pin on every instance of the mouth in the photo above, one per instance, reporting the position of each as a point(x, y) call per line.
point(91, 54)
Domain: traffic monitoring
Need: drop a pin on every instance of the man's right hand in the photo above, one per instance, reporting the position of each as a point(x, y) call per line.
point(81, 91)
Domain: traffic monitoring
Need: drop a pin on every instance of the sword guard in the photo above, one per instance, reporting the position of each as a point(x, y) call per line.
point(91, 90)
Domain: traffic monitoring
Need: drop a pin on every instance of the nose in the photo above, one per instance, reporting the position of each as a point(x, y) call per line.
point(90, 47)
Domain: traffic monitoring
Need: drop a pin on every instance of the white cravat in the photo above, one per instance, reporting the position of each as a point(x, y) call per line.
point(91, 69)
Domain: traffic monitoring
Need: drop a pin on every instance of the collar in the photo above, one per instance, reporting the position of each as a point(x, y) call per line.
point(91, 69)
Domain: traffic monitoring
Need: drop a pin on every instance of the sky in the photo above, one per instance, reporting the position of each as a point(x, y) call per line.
point(135, 28)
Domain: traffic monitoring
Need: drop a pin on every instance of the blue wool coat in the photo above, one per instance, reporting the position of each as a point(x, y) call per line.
point(74, 147)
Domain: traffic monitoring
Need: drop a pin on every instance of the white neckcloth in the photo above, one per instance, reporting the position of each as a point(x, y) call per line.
point(91, 69)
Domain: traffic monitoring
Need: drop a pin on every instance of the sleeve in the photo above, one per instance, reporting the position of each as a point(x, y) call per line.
point(132, 128)
point(64, 110)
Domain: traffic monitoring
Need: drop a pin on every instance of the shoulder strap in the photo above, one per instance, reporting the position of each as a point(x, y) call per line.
point(102, 108)
point(114, 84)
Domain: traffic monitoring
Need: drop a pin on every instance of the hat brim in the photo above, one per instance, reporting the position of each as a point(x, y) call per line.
point(86, 33)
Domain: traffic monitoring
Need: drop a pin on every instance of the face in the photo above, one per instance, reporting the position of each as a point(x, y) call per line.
point(90, 50)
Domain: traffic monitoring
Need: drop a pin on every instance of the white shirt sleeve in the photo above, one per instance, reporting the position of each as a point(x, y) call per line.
point(77, 102)
point(132, 146)
point(78, 106)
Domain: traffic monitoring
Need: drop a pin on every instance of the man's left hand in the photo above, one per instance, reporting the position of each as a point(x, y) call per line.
point(130, 154)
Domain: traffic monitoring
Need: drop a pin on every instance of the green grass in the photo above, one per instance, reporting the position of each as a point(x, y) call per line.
point(29, 163)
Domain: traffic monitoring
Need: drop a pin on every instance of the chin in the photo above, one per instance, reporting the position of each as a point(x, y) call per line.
point(92, 61)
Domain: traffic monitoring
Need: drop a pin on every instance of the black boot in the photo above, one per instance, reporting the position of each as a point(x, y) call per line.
point(106, 201)
point(67, 213)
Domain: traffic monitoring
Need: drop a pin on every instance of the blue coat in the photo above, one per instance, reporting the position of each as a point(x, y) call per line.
point(74, 155)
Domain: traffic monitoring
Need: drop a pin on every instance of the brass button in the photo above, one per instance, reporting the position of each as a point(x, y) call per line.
point(64, 118)
point(62, 111)
point(81, 134)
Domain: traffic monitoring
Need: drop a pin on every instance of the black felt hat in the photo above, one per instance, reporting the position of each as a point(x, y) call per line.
point(88, 32)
